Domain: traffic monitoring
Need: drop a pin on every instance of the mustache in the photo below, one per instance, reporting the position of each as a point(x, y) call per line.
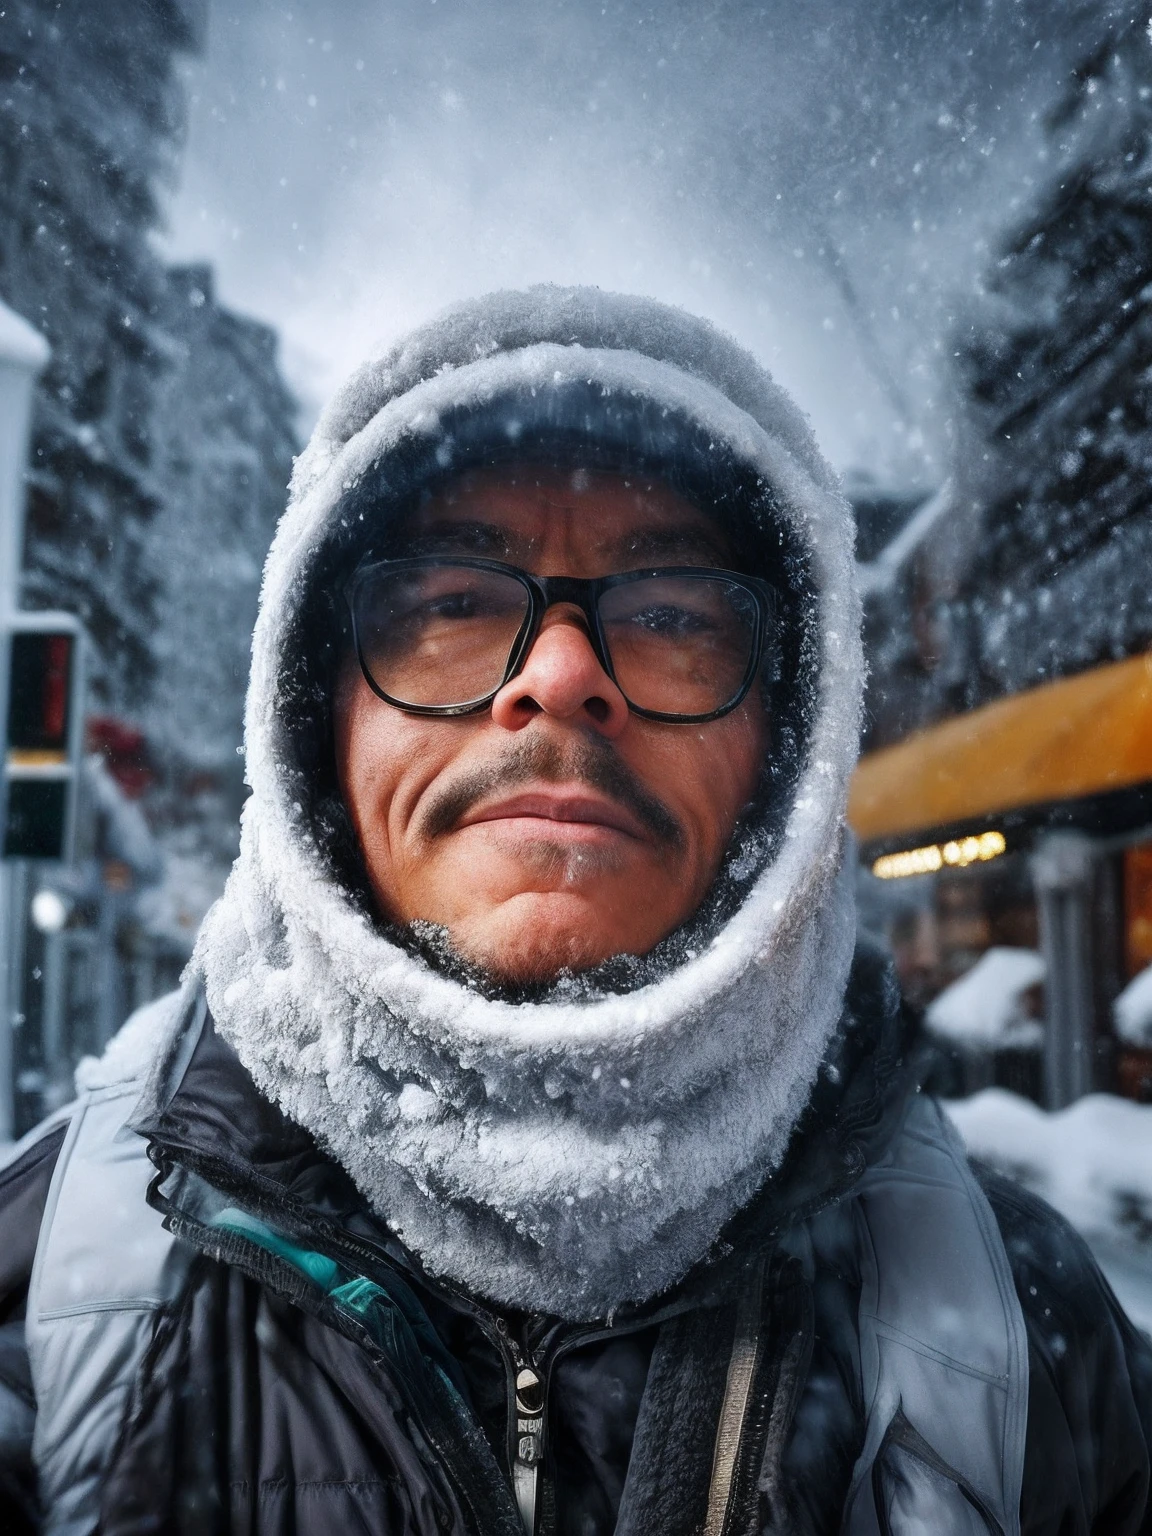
point(589, 760)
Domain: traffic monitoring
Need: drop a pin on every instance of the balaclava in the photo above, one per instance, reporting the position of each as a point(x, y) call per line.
point(578, 1150)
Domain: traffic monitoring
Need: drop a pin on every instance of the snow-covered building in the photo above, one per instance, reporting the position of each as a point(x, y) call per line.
point(159, 409)
point(162, 431)
point(224, 436)
point(90, 123)
point(1009, 621)
point(903, 583)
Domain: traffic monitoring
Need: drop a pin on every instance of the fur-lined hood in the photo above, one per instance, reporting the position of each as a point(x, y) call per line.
point(575, 1153)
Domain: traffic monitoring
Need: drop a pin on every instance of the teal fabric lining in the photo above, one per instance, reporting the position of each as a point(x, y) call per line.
point(318, 1268)
point(393, 1316)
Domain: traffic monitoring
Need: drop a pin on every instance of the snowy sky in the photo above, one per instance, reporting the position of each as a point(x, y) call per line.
point(352, 167)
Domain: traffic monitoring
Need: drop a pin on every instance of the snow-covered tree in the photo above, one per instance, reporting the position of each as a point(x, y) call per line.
point(1049, 531)
point(1059, 375)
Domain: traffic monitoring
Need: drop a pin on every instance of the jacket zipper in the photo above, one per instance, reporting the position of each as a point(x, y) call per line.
point(529, 1376)
point(528, 1400)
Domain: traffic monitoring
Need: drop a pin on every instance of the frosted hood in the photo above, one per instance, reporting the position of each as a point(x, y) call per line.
point(575, 1154)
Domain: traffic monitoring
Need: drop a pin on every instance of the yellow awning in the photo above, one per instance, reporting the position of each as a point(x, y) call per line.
point(1082, 736)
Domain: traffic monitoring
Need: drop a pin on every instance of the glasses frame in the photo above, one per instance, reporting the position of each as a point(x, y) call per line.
point(581, 592)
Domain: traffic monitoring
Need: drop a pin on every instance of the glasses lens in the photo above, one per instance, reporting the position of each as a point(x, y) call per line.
point(680, 645)
point(438, 635)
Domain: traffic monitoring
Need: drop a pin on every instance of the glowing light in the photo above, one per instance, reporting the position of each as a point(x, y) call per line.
point(49, 911)
point(959, 853)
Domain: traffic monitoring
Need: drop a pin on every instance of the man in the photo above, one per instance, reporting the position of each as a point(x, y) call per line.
point(532, 1147)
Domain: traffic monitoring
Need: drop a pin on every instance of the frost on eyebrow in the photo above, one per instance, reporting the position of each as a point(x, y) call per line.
point(681, 546)
point(689, 545)
point(457, 537)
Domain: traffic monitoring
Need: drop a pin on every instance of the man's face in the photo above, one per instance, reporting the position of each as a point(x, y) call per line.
point(556, 829)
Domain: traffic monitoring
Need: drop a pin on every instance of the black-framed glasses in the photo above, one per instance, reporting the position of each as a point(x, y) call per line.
point(442, 635)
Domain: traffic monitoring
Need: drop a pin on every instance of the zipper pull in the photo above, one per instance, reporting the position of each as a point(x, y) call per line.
point(529, 1444)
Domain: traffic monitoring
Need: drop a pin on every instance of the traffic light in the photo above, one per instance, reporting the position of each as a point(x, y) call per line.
point(43, 736)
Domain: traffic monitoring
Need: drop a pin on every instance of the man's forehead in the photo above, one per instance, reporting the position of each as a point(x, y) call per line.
point(514, 510)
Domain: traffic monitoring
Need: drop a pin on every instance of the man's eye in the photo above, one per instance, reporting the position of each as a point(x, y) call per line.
point(672, 620)
point(453, 605)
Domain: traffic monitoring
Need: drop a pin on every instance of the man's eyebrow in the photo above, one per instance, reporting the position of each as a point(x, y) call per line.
point(686, 545)
point(453, 537)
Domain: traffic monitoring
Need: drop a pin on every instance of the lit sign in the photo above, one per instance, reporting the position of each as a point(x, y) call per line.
point(954, 855)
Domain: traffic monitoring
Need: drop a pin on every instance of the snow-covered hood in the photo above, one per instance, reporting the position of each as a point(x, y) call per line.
point(574, 1154)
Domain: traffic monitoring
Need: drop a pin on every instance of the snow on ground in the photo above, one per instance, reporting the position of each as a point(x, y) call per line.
point(1092, 1161)
point(1132, 1010)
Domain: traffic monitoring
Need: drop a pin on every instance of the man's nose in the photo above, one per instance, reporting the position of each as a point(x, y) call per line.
point(562, 678)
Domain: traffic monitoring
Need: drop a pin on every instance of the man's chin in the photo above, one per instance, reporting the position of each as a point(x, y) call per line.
point(537, 937)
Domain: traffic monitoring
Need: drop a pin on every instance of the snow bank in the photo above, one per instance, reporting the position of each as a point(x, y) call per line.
point(1132, 1010)
point(1092, 1161)
point(986, 1006)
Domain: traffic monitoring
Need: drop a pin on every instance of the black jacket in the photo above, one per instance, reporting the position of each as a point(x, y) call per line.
point(267, 1405)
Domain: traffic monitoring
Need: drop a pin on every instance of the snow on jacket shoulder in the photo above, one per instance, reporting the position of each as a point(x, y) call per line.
point(222, 1383)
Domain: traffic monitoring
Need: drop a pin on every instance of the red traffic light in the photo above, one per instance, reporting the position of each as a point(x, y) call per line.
point(42, 669)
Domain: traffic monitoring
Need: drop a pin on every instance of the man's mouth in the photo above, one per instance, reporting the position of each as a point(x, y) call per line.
point(577, 791)
point(558, 813)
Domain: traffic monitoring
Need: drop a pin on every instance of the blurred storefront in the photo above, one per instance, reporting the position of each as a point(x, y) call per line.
point(92, 938)
point(1025, 826)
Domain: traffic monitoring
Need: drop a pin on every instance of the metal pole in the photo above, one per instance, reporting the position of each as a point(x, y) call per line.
point(1062, 872)
point(8, 993)
point(23, 353)
point(52, 1022)
point(15, 936)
